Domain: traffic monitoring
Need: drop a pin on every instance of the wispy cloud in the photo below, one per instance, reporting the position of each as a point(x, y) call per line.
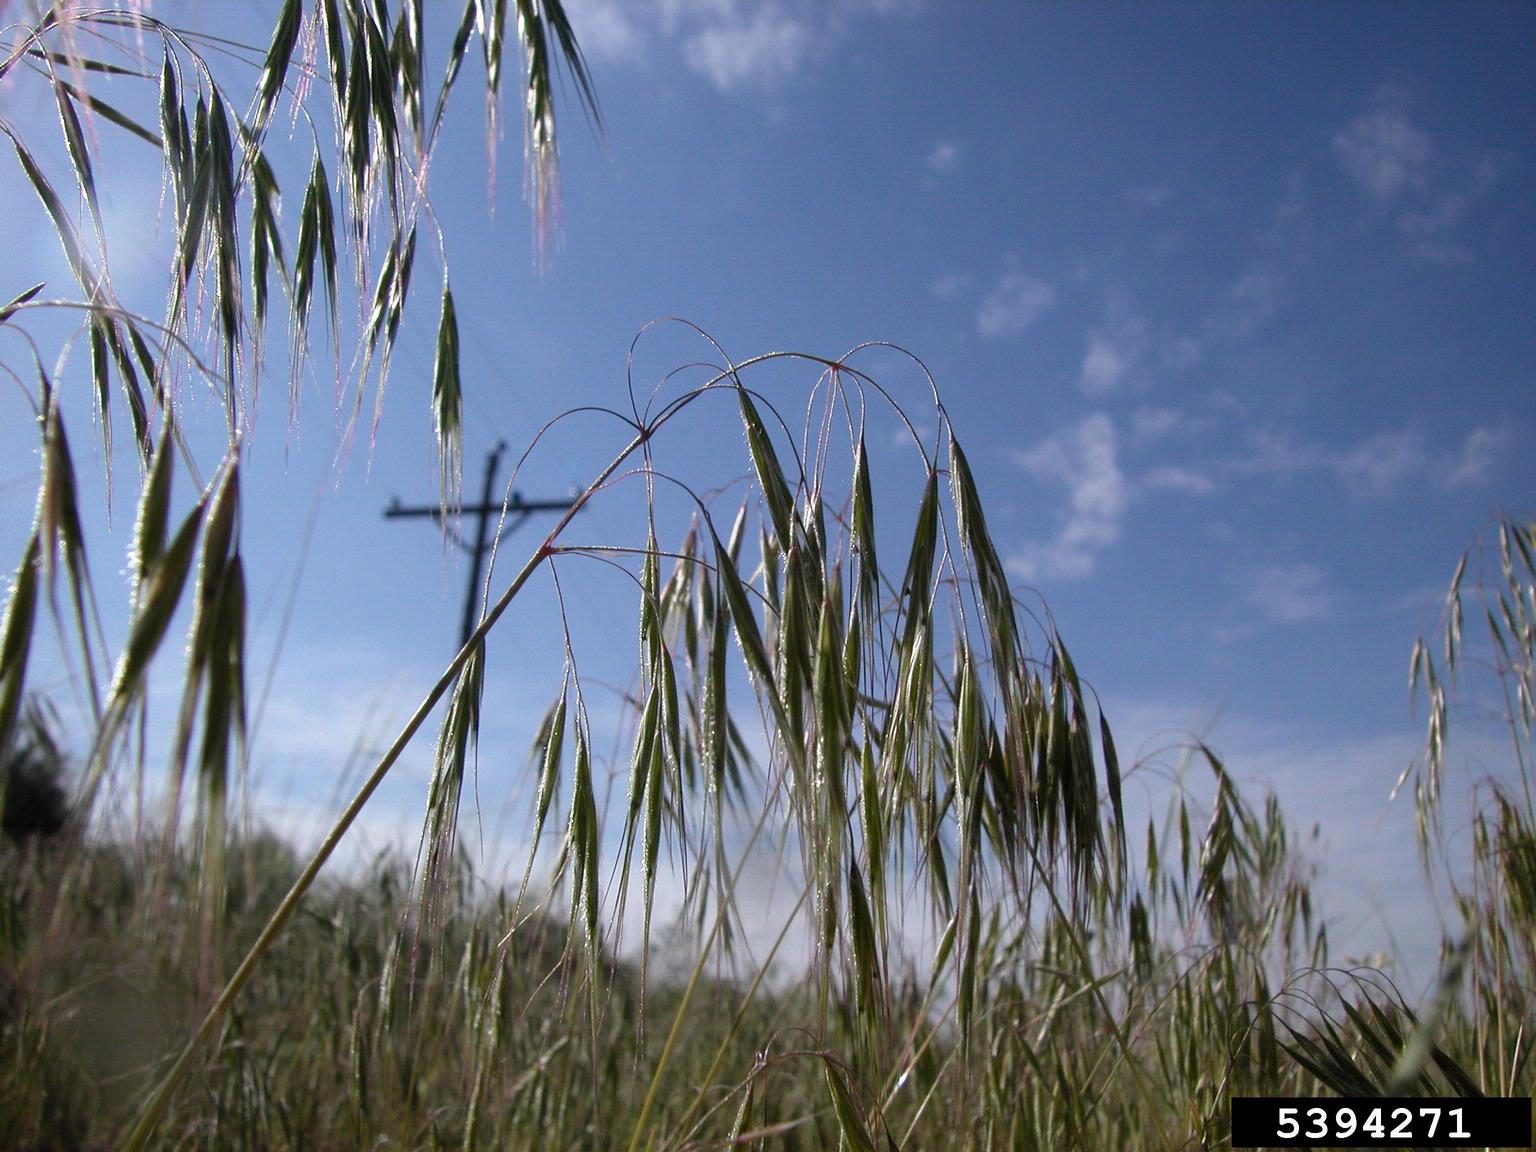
point(760, 49)
point(1430, 191)
point(1151, 195)
point(1257, 295)
point(1289, 593)
point(1277, 453)
point(1155, 423)
point(1182, 352)
point(1434, 230)
point(1084, 460)
point(1288, 229)
point(1175, 478)
point(944, 156)
point(1473, 465)
point(1374, 468)
point(608, 29)
point(1382, 150)
point(1013, 305)
point(1151, 424)
point(950, 285)
point(1113, 351)
point(1381, 463)
point(737, 45)
point(1260, 291)
point(1104, 364)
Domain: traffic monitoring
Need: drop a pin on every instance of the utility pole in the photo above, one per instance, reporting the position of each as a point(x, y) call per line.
point(518, 508)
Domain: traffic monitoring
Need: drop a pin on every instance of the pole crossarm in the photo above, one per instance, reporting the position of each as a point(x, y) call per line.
point(398, 511)
point(517, 509)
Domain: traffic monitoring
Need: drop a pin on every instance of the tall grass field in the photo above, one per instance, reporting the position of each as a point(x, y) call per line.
point(985, 944)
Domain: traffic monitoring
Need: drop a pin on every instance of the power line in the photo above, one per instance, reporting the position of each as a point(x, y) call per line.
point(517, 509)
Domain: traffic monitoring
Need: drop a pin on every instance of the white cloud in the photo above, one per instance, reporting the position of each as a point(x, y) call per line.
point(743, 44)
point(943, 156)
point(1290, 223)
point(1431, 234)
point(1374, 468)
point(950, 285)
point(1182, 352)
point(1381, 150)
point(1277, 454)
point(1258, 293)
point(674, 13)
point(1151, 195)
point(1084, 461)
point(760, 50)
point(1176, 479)
point(1103, 365)
point(1473, 465)
point(606, 28)
point(1155, 423)
point(1433, 230)
point(1289, 593)
point(1257, 296)
point(1015, 304)
point(1379, 464)
point(1113, 351)
point(1396, 164)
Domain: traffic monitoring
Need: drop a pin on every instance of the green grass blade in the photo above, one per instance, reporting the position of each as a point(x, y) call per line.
point(448, 402)
point(79, 154)
point(851, 1126)
point(274, 71)
point(16, 642)
point(108, 112)
point(770, 474)
point(266, 234)
point(63, 226)
point(456, 744)
point(16, 302)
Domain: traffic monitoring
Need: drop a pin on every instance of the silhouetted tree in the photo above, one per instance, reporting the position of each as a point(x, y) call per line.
point(32, 797)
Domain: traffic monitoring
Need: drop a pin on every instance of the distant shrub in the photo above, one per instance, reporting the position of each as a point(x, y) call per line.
point(33, 802)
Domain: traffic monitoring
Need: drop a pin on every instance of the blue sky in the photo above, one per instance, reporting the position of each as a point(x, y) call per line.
point(1228, 304)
